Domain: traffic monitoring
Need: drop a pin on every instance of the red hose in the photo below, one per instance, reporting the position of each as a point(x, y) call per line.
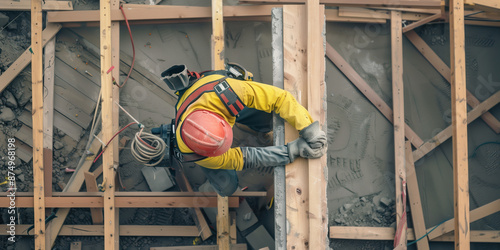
point(133, 48)
point(104, 149)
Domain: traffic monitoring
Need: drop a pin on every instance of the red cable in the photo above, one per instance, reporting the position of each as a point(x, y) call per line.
point(106, 146)
point(133, 48)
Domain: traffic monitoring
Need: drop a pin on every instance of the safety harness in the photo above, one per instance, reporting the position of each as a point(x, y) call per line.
point(227, 96)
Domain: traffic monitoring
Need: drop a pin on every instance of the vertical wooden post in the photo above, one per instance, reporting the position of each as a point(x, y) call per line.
point(37, 110)
point(48, 112)
point(459, 125)
point(115, 62)
point(217, 41)
point(48, 123)
point(110, 235)
point(318, 220)
point(297, 181)
point(417, 213)
point(399, 124)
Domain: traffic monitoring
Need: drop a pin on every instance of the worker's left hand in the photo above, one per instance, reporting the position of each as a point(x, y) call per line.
point(314, 136)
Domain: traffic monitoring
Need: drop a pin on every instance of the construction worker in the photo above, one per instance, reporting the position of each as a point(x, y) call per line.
point(210, 103)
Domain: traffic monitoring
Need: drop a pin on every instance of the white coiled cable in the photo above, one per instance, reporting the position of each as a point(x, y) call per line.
point(146, 147)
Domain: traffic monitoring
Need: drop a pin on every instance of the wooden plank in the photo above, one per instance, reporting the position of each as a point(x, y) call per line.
point(23, 151)
point(399, 123)
point(359, 3)
point(25, 58)
point(74, 78)
point(414, 10)
point(444, 135)
point(366, 233)
point(459, 125)
point(76, 245)
point(368, 92)
point(444, 70)
point(316, 91)
point(143, 194)
point(123, 202)
point(333, 15)
point(417, 212)
point(179, 14)
point(37, 115)
point(125, 230)
point(233, 231)
point(25, 134)
point(70, 94)
point(67, 126)
point(476, 214)
point(115, 74)
point(48, 115)
point(295, 78)
point(71, 111)
point(91, 185)
point(217, 62)
point(137, 12)
point(421, 22)
point(204, 247)
point(383, 14)
point(197, 215)
point(110, 234)
point(48, 122)
point(24, 5)
point(487, 5)
point(387, 233)
point(61, 122)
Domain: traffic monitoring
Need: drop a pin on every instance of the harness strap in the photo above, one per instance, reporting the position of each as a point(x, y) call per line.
point(208, 87)
point(225, 93)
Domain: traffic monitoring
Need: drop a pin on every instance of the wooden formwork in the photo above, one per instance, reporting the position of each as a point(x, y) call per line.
point(309, 220)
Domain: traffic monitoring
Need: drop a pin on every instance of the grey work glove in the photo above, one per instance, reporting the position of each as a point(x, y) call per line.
point(301, 148)
point(314, 136)
point(265, 156)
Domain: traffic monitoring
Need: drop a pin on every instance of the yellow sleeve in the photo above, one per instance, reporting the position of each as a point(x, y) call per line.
point(270, 98)
point(232, 159)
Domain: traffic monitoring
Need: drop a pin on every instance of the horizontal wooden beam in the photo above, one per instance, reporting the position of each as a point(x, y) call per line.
point(136, 12)
point(387, 233)
point(487, 5)
point(121, 202)
point(359, 3)
point(476, 214)
point(368, 92)
point(444, 135)
point(25, 5)
point(144, 194)
point(125, 230)
point(144, 14)
point(382, 14)
point(25, 59)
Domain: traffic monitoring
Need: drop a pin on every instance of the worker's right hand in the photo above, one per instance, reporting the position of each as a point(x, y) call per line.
point(301, 148)
point(314, 136)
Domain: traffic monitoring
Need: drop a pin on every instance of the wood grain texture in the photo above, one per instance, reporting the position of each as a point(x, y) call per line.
point(459, 125)
point(399, 123)
point(295, 79)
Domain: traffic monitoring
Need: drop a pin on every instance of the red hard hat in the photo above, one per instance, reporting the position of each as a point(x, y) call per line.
point(206, 133)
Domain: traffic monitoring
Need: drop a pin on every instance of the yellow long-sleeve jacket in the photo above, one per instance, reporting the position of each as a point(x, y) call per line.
point(254, 95)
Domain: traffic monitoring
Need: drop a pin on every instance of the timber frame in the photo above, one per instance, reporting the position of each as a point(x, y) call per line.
point(308, 217)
